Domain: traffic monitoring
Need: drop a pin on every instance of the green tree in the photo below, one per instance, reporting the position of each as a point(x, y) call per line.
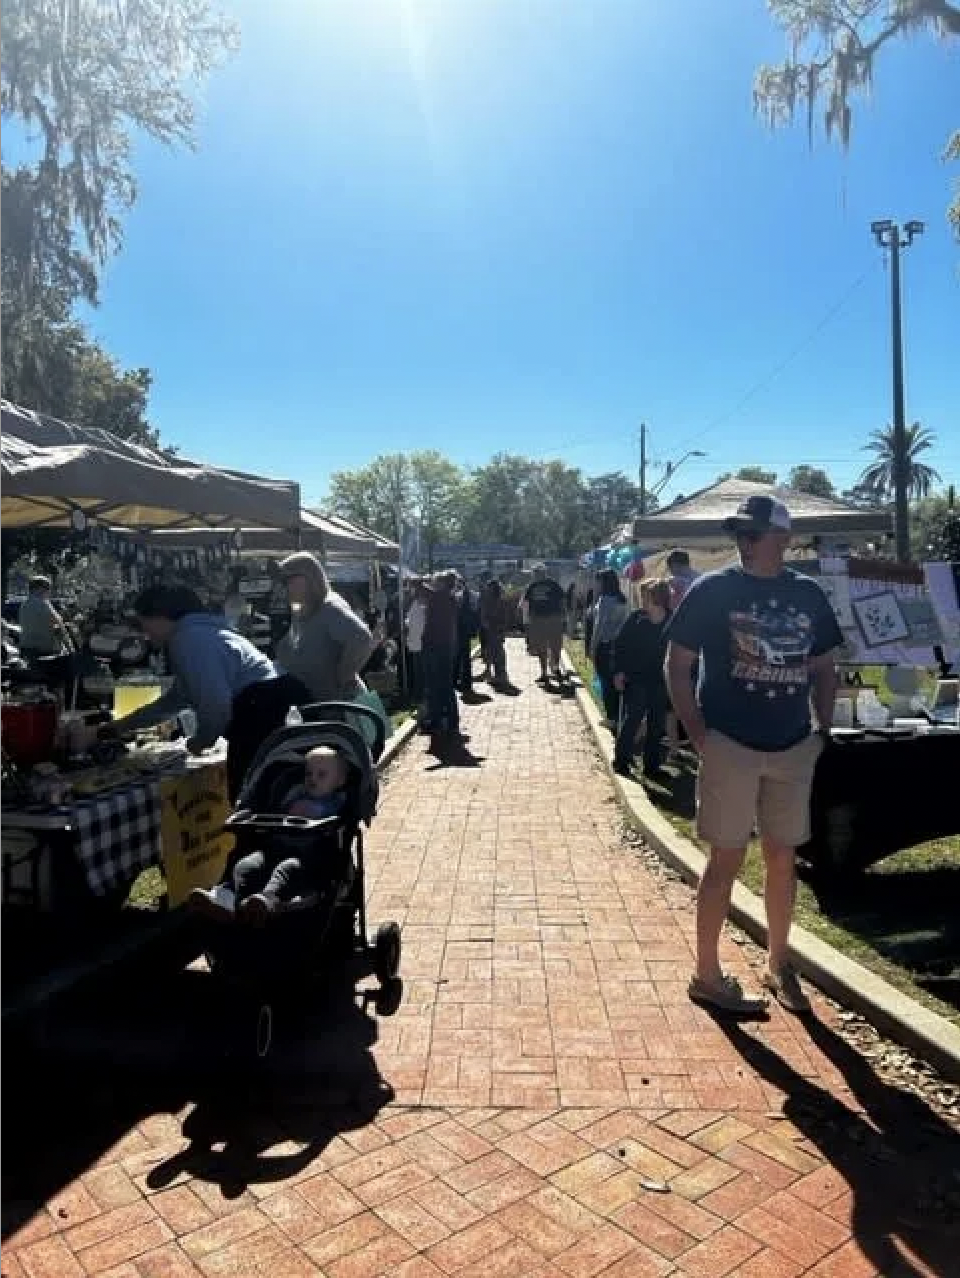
point(752, 475)
point(438, 495)
point(608, 502)
point(500, 510)
point(879, 475)
point(83, 78)
point(833, 47)
point(863, 497)
point(378, 495)
point(49, 364)
point(935, 529)
point(554, 510)
point(812, 480)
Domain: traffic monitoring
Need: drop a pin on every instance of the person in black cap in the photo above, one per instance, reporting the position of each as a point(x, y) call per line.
point(765, 637)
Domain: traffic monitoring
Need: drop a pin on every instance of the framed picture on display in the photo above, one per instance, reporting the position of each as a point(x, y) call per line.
point(880, 619)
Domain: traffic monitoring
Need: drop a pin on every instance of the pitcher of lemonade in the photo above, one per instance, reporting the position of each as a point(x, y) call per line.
point(133, 691)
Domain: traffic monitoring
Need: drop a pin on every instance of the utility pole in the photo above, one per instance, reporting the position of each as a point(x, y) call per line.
point(889, 236)
point(643, 468)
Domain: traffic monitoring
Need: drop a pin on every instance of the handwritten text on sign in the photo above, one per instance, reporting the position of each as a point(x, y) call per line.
point(195, 847)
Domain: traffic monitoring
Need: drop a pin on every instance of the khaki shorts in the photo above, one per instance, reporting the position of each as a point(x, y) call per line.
point(545, 637)
point(738, 786)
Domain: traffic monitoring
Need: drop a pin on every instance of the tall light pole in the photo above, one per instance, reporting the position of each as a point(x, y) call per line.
point(889, 235)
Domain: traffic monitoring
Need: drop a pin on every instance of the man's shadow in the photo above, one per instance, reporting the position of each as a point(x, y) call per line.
point(263, 1122)
point(897, 1157)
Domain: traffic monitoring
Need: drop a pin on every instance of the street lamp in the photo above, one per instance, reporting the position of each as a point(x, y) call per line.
point(889, 235)
point(673, 467)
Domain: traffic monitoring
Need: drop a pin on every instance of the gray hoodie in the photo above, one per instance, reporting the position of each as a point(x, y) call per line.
point(211, 663)
point(327, 649)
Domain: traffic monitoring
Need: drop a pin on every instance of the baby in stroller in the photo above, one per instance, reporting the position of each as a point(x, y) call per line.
point(267, 878)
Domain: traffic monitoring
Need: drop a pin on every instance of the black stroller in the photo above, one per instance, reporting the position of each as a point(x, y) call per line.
point(329, 925)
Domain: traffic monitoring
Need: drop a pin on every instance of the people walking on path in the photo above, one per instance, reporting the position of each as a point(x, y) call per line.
point(440, 645)
point(468, 626)
point(544, 599)
point(495, 625)
point(609, 613)
point(414, 622)
point(638, 654)
point(765, 636)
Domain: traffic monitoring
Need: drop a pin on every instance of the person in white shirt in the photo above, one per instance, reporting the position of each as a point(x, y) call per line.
point(414, 622)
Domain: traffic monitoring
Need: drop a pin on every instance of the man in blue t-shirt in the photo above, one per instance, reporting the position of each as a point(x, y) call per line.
point(765, 637)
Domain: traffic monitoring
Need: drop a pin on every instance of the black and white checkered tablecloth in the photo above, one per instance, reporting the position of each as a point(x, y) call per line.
point(118, 836)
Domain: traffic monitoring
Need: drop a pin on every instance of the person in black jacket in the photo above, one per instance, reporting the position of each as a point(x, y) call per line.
point(638, 658)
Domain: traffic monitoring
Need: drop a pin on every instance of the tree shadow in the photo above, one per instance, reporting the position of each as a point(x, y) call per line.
point(909, 916)
point(474, 698)
point(107, 1062)
point(898, 1156)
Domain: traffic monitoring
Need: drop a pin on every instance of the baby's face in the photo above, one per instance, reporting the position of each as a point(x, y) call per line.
point(323, 775)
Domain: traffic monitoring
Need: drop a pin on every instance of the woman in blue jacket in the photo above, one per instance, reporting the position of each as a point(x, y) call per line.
point(235, 691)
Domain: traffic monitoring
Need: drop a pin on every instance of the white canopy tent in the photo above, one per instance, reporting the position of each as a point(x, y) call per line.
point(698, 519)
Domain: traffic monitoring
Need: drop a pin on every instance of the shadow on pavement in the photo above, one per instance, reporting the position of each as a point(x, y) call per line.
point(474, 698)
point(898, 1156)
point(908, 915)
point(451, 752)
point(122, 1054)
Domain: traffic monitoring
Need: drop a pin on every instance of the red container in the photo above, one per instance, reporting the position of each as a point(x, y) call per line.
point(29, 731)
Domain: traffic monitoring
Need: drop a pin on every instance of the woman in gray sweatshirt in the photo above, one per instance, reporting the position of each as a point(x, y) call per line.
point(327, 644)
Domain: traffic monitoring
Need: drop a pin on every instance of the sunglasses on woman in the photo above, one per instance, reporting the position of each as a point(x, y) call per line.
point(749, 535)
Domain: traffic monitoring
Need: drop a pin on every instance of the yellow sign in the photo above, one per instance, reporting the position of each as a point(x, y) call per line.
point(194, 845)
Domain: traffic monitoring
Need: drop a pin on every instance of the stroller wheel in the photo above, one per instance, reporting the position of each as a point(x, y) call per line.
point(264, 1036)
point(386, 952)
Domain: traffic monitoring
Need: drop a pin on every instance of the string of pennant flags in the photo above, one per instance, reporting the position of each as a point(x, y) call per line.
point(133, 551)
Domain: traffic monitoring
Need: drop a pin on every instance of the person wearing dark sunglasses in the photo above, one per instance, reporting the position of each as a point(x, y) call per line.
point(765, 637)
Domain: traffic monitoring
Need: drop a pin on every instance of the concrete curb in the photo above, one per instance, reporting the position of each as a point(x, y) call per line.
point(396, 743)
point(932, 1037)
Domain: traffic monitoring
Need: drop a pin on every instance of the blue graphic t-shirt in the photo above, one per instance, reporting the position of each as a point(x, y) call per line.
point(755, 636)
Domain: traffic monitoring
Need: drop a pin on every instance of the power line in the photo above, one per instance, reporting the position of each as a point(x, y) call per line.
point(784, 363)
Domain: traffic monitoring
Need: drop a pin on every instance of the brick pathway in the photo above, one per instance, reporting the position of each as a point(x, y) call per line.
point(549, 1081)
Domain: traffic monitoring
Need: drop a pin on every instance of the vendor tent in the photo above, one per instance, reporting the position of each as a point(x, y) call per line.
point(55, 475)
point(328, 535)
point(699, 518)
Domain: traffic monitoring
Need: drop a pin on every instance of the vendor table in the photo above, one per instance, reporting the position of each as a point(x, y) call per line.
point(876, 794)
point(109, 838)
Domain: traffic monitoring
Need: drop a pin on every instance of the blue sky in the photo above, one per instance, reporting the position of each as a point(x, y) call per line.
point(527, 225)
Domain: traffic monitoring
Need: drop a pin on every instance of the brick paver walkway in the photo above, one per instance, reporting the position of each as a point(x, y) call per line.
point(550, 1080)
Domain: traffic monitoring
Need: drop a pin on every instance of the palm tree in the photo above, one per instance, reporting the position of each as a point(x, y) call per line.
point(879, 475)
